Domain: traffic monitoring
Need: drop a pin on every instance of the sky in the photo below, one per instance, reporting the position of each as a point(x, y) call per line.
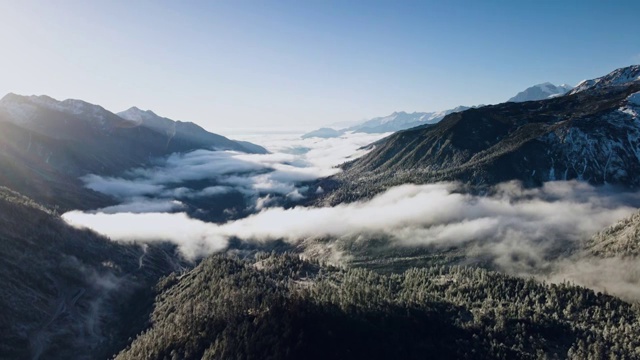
point(296, 65)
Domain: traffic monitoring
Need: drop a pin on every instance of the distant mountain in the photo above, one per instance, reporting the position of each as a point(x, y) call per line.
point(395, 122)
point(541, 92)
point(323, 133)
point(591, 135)
point(401, 120)
point(48, 144)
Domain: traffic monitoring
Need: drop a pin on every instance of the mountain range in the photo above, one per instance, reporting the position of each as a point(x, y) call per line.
point(48, 144)
point(591, 134)
point(72, 293)
point(401, 120)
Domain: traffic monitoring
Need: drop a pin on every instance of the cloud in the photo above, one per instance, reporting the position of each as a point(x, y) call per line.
point(514, 229)
point(205, 173)
point(514, 226)
point(193, 237)
point(619, 276)
point(144, 205)
point(119, 187)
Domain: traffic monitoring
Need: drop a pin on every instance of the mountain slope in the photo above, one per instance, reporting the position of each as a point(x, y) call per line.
point(99, 141)
point(179, 133)
point(280, 307)
point(68, 293)
point(617, 77)
point(398, 121)
point(592, 135)
point(402, 120)
point(619, 240)
point(47, 144)
point(541, 92)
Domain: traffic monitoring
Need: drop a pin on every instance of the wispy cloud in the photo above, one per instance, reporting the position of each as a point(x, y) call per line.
point(181, 176)
point(518, 230)
point(515, 228)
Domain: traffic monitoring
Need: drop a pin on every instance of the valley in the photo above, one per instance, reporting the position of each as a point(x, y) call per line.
point(500, 231)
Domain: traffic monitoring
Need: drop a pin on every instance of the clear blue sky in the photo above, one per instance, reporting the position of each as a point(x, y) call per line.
point(301, 64)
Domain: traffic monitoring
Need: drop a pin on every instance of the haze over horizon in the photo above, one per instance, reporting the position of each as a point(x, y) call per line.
point(292, 65)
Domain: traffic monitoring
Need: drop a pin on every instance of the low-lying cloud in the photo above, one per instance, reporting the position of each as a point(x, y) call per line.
point(205, 173)
point(515, 228)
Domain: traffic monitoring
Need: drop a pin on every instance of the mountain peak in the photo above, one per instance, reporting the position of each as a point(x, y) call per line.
point(11, 97)
point(619, 76)
point(540, 92)
point(137, 115)
point(21, 109)
point(135, 109)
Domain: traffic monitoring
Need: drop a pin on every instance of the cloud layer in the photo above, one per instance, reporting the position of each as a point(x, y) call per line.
point(204, 173)
point(517, 230)
point(514, 221)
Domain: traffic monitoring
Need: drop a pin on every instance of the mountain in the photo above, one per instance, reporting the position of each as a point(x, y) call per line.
point(48, 144)
point(591, 135)
point(181, 134)
point(69, 293)
point(395, 122)
point(618, 77)
point(402, 120)
point(619, 240)
point(324, 133)
point(398, 121)
point(281, 307)
point(541, 92)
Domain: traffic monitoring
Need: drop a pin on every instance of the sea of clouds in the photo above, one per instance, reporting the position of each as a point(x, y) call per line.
point(519, 230)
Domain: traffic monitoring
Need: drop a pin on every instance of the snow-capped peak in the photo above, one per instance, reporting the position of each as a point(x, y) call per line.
point(137, 115)
point(541, 92)
point(21, 109)
point(149, 119)
point(617, 77)
point(73, 106)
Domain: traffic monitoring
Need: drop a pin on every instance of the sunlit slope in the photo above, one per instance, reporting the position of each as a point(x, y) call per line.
point(592, 135)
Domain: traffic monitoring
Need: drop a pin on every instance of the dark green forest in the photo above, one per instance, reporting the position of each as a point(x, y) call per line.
point(281, 307)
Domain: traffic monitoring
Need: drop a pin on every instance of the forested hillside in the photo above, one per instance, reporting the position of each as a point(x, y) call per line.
point(281, 307)
point(68, 293)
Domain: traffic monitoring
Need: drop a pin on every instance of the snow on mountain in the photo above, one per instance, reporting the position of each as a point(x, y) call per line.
point(396, 121)
point(23, 110)
point(185, 131)
point(401, 120)
point(68, 119)
point(541, 92)
point(593, 136)
point(617, 77)
point(149, 119)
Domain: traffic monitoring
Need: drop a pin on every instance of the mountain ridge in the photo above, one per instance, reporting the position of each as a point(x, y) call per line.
point(49, 144)
point(590, 135)
point(401, 120)
point(540, 92)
